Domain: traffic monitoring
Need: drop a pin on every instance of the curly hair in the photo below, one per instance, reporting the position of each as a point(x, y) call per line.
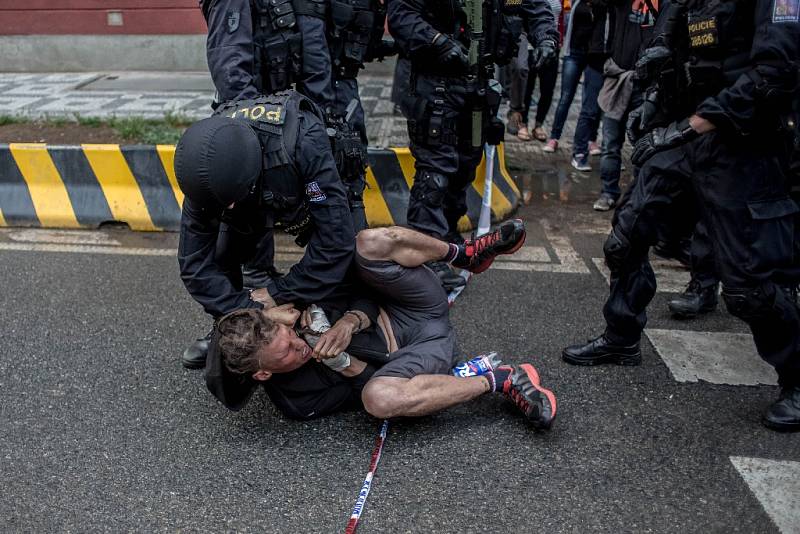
point(241, 334)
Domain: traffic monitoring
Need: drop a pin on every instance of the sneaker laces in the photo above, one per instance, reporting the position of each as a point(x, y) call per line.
point(515, 391)
point(481, 244)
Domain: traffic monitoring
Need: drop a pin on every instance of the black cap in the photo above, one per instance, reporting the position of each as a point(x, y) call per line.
point(217, 161)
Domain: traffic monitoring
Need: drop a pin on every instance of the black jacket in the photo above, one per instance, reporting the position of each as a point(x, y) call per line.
point(210, 274)
point(631, 26)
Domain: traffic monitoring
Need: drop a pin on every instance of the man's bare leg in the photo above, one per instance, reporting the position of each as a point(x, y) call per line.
point(386, 397)
point(403, 246)
point(409, 248)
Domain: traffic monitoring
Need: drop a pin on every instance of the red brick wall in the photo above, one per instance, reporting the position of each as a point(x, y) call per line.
point(91, 17)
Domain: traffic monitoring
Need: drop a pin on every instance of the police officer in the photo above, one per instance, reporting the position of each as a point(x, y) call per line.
point(445, 91)
point(263, 46)
point(259, 47)
point(355, 36)
point(734, 66)
point(258, 164)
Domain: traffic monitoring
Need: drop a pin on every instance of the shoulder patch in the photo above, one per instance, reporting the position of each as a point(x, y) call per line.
point(232, 20)
point(314, 193)
point(785, 11)
point(270, 113)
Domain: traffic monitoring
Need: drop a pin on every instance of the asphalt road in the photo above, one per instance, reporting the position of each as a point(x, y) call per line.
point(101, 429)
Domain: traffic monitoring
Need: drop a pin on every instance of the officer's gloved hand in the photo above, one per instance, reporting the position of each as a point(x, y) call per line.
point(544, 53)
point(659, 139)
point(450, 54)
point(386, 48)
point(641, 118)
point(651, 62)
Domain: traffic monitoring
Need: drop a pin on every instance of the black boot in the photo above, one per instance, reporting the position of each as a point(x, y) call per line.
point(195, 356)
point(784, 414)
point(694, 300)
point(601, 350)
point(450, 280)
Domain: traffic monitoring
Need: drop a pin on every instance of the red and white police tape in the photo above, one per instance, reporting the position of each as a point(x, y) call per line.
point(362, 495)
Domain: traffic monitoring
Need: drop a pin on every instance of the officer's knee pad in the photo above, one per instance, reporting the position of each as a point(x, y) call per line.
point(430, 188)
point(616, 249)
point(754, 302)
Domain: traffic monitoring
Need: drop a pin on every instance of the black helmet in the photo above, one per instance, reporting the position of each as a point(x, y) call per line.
point(217, 161)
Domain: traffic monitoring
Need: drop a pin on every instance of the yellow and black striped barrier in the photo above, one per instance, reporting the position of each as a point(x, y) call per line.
point(88, 185)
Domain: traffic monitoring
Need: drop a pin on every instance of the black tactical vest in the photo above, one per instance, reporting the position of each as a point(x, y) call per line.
point(280, 189)
point(278, 42)
point(355, 26)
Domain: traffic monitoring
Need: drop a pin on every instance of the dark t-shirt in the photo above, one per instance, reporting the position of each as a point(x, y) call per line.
point(632, 26)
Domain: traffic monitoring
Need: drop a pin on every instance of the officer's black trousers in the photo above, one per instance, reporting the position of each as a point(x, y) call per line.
point(704, 271)
point(742, 193)
point(439, 130)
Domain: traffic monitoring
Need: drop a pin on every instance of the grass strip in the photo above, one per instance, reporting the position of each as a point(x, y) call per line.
point(165, 131)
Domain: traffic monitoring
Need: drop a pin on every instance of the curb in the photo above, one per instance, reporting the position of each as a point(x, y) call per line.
point(86, 186)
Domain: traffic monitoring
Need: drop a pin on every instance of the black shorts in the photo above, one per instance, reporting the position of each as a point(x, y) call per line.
point(419, 314)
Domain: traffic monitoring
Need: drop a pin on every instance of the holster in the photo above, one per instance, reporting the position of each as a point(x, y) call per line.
point(348, 150)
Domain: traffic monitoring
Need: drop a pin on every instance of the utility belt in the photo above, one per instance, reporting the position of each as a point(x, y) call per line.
point(352, 27)
point(278, 43)
point(430, 123)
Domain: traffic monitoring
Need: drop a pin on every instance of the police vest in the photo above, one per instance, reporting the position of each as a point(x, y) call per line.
point(277, 43)
point(280, 189)
point(719, 36)
point(355, 27)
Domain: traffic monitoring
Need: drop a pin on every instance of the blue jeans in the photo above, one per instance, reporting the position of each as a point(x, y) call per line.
point(571, 70)
point(589, 118)
point(613, 139)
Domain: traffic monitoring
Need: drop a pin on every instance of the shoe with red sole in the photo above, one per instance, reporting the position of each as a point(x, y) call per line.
point(524, 388)
point(478, 253)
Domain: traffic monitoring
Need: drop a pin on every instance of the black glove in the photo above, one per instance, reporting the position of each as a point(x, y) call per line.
point(544, 53)
point(450, 54)
point(659, 139)
point(640, 119)
point(650, 63)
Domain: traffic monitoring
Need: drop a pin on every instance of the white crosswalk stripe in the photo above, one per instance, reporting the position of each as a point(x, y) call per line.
point(716, 357)
point(776, 485)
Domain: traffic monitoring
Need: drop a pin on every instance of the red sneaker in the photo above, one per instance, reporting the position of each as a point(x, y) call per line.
point(477, 254)
point(523, 387)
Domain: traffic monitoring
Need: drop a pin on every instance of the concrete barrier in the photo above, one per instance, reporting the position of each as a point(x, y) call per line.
point(89, 185)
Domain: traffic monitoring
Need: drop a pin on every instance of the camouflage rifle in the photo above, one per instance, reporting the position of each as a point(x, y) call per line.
point(474, 10)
